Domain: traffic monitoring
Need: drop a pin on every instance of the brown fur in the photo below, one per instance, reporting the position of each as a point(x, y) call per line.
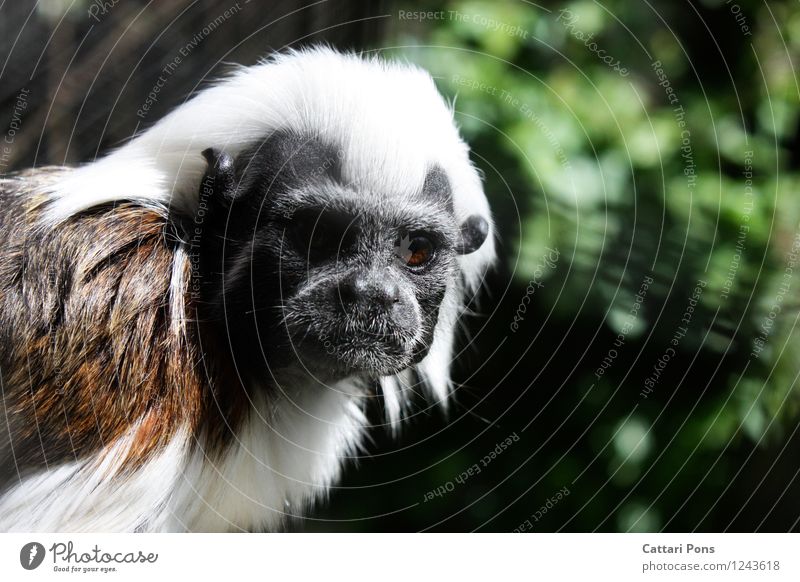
point(92, 343)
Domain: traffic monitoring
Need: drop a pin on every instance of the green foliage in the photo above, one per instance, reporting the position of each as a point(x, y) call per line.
point(584, 152)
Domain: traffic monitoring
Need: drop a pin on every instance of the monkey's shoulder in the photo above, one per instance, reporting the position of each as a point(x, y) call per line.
point(90, 312)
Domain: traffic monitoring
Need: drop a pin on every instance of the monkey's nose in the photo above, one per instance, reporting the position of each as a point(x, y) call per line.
point(365, 293)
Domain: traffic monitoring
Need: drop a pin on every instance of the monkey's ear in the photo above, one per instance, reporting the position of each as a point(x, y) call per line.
point(474, 231)
point(219, 179)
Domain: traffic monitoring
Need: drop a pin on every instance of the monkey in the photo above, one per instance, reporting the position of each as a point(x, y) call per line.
point(192, 325)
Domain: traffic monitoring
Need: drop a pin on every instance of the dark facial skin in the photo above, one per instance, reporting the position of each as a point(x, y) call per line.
point(300, 268)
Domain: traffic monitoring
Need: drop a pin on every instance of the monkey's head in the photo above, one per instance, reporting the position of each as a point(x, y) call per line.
point(316, 269)
point(340, 225)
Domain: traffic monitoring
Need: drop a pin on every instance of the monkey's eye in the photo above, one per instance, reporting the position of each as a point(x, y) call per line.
point(415, 250)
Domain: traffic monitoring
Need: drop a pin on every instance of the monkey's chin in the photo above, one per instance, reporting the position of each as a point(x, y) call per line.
point(375, 368)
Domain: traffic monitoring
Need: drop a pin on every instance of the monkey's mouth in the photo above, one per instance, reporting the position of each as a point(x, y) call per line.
point(347, 351)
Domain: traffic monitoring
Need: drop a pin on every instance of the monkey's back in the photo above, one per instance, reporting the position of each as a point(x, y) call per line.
point(93, 342)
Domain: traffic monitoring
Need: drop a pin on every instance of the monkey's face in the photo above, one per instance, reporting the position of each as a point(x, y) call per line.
point(361, 284)
point(325, 275)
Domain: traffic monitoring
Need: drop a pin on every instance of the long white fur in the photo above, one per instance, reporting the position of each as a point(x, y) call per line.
point(285, 457)
point(390, 124)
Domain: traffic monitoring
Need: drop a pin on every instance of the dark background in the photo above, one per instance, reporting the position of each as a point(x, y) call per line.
point(587, 162)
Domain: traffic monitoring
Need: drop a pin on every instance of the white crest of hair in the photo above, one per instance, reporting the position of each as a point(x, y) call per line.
point(387, 119)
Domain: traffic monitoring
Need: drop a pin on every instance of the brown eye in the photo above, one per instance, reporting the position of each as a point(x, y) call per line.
point(416, 250)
